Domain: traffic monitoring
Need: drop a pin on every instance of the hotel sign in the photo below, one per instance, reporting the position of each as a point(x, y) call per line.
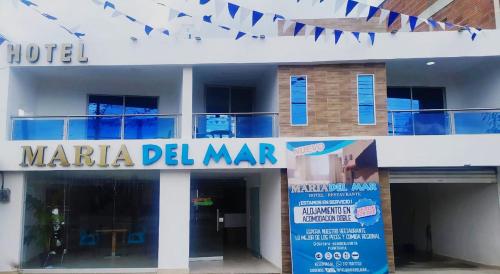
point(148, 156)
point(32, 53)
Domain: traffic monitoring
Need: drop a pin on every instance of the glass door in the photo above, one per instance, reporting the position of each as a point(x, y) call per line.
point(206, 222)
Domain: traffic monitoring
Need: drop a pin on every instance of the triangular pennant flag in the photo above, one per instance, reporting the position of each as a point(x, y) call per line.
point(298, 28)
point(256, 16)
point(474, 36)
point(373, 10)
point(130, 18)
point(317, 32)
point(356, 35)
point(432, 24)
point(2, 39)
point(240, 34)
point(404, 22)
point(413, 22)
point(449, 25)
point(337, 34)
point(383, 15)
point(351, 4)
point(224, 27)
point(219, 6)
point(98, 2)
point(362, 10)
point(278, 17)
point(148, 29)
point(286, 25)
point(166, 32)
point(372, 37)
point(28, 3)
point(207, 19)
point(183, 14)
point(442, 25)
point(79, 34)
point(108, 4)
point(244, 13)
point(309, 30)
point(392, 17)
point(327, 34)
point(48, 16)
point(172, 14)
point(203, 2)
point(233, 9)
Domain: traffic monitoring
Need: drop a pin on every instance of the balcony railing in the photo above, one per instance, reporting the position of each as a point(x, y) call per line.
point(444, 121)
point(235, 125)
point(95, 127)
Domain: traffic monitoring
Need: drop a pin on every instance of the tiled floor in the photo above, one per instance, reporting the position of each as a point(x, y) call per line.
point(236, 261)
point(443, 266)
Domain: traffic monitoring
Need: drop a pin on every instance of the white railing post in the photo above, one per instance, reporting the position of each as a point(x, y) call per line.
point(187, 103)
point(452, 123)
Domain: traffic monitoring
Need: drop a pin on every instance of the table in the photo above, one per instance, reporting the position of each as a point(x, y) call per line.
point(113, 232)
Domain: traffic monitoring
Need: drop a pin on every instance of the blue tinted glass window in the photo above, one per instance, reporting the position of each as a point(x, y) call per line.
point(366, 100)
point(298, 99)
point(141, 105)
point(105, 105)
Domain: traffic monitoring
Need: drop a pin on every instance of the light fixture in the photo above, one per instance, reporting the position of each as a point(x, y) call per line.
point(430, 63)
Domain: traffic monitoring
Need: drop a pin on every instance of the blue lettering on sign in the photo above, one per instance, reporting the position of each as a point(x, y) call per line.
point(171, 155)
point(212, 154)
point(266, 151)
point(146, 154)
point(185, 156)
point(245, 155)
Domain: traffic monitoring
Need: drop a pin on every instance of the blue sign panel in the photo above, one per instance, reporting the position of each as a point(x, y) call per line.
point(335, 208)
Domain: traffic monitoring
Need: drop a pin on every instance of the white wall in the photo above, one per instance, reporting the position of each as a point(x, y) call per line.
point(22, 97)
point(12, 228)
point(465, 220)
point(173, 249)
point(266, 99)
point(270, 216)
point(4, 87)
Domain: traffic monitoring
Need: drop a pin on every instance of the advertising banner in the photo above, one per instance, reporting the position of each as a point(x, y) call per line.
point(336, 221)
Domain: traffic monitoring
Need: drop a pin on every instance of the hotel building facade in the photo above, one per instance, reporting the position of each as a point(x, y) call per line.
point(126, 152)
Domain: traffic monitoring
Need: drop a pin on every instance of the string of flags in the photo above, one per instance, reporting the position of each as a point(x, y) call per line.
point(34, 6)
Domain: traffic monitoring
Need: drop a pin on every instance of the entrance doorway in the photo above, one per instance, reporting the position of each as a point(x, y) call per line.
point(218, 218)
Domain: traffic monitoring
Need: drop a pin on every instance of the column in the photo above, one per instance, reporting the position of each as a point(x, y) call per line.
point(12, 223)
point(173, 245)
point(187, 103)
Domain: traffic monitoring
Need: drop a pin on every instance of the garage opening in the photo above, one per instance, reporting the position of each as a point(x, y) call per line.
point(445, 218)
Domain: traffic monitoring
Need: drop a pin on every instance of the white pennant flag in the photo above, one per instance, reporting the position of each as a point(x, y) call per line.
point(287, 24)
point(172, 14)
point(309, 30)
point(328, 35)
point(442, 25)
point(220, 5)
point(244, 13)
point(338, 5)
point(362, 10)
point(383, 15)
point(431, 28)
point(116, 13)
point(404, 22)
point(97, 2)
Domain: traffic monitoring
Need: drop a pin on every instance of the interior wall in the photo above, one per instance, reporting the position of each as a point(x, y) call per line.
point(12, 213)
point(266, 99)
point(465, 221)
point(270, 216)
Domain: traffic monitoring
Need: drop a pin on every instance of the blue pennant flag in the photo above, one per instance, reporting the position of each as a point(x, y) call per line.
point(351, 4)
point(28, 3)
point(298, 27)
point(48, 16)
point(256, 16)
point(148, 29)
point(240, 34)
point(317, 32)
point(356, 35)
point(166, 32)
point(233, 9)
point(2, 39)
point(337, 34)
point(224, 27)
point(130, 18)
point(372, 37)
point(207, 18)
point(203, 2)
point(182, 14)
point(79, 34)
point(433, 23)
point(413, 22)
point(474, 36)
point(449, 25)
point(392, 17)
point(255, 36)
point(373, 10)
point(108, 4)
point(278, 17)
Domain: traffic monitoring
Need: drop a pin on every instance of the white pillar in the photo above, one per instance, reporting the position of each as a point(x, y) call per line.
point(11, 228)
point(173, 245)
point(496, 4)
point(187, 103)
point(4, 88)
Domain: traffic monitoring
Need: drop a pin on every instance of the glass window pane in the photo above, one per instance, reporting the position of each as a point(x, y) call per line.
point(217, 100)
point(38, 129)
point(298, 99)
point(366, 100)
point(146, 127)
point(105, 105)
point(141, 105)
point(95, 128)
point(428, 98)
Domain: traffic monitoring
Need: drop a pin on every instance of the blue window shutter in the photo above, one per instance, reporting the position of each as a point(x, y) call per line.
point(366, 100)
point(298, 100)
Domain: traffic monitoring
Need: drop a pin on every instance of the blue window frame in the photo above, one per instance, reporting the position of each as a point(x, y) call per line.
point(298, 100)
point(366, 99)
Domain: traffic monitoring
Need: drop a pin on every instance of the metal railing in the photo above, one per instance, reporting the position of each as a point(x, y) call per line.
point(235, 125)
point(444, 121)
point(95, 127)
